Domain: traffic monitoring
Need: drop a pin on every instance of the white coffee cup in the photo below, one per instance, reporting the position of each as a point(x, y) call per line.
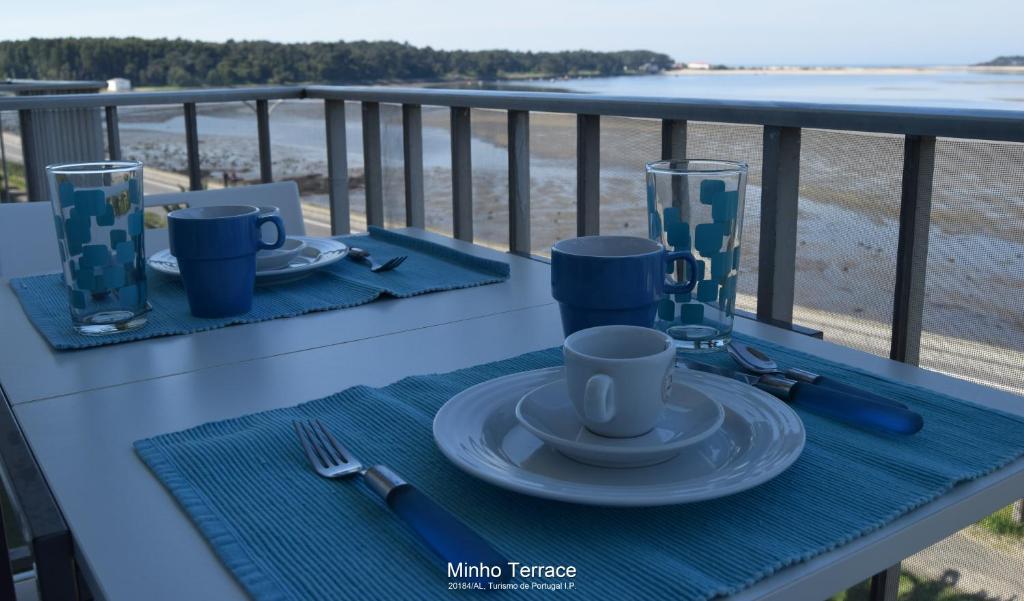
point(619, 377)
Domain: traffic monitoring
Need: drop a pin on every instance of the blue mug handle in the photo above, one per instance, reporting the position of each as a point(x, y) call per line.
point(276, 220)
point(672, 257)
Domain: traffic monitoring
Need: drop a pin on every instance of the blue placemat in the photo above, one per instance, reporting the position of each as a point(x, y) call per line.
point(285, 533)
point(429, 268)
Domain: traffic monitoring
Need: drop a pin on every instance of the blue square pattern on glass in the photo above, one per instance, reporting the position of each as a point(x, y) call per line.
point(84, 278)
point(707, 291)
point(90, 201)
point(66, 191)
point(128, 295)
point(666, 309)
point(106, 217)
point(708, 238)
point(117, 236)
point(709, 189)
point(125, 252)
point(728, 295)
point(678, 234)
point(95, 255)
point(113, 276)
point(721, 265)
point(691, 313)
point(135, 224)
point(134, 196)
point(724, 205)
point(79, 231)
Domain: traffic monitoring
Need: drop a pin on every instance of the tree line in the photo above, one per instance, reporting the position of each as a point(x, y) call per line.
point(178, 62)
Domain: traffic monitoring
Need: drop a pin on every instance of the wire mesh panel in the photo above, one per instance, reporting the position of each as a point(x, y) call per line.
point(626, 145)
point(737, 143)
point(298, 149)
point(392, 164)
point(552, 180)
point(437, 169)
point(490, 177)
point(974, 294)
point(850, 186)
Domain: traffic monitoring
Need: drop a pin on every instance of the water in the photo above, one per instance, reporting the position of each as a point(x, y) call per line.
point(951, 89)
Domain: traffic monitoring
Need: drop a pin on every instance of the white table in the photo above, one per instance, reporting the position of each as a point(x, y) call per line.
point(80, 412)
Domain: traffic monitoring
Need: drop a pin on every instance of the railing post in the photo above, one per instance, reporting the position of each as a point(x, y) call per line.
point(462, 174)
point(337, 166)
point(113, 134)
point(195, 176)
point(372, 168)
point(912, 248)
point(519, 182)
point(776, 269)
point(588, 175)
point(412, 151)
point(263, 135)
point(673, 139)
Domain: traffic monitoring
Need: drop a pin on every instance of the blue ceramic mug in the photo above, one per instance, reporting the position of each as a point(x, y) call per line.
point(613, 280)
point(216, 252)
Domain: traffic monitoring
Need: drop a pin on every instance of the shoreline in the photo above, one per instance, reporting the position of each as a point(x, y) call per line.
point(789, 70)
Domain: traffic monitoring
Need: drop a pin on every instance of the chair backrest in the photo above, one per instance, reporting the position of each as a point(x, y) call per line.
point(28, 240)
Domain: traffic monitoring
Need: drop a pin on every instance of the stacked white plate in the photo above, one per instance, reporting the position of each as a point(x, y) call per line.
point(317, 253)
point(719, 437)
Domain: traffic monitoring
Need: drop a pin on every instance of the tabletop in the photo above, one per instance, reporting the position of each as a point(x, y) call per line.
point(80, 412)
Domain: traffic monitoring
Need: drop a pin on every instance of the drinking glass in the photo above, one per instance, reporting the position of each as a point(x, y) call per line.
point(697, 205)
point(98, 212)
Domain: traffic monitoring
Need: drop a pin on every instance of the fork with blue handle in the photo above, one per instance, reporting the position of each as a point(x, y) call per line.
point(451, 540)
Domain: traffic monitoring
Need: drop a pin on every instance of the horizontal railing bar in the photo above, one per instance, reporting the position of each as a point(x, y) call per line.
point(68, 101)
point(984, 124)
point(981, 124)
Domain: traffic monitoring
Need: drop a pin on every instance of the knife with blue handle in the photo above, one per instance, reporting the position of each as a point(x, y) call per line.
point(840, 406)
point(452, 541)
point(757, 362)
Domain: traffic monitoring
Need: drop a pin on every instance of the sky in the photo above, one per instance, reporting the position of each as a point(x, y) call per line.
point(738, 32)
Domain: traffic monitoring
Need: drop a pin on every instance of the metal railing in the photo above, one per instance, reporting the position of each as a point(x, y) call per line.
point(782, 124)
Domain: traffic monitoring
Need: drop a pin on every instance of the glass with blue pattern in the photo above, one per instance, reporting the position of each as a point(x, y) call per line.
point(696, 205)
point(98, 213)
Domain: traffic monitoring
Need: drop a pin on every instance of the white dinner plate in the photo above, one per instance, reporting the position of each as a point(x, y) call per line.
point(689, 417)
point(319, 252)
point(477, 430)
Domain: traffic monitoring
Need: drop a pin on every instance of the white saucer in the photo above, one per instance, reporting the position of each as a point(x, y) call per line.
point(689, 417)
point(477, 430)
point(280, 258)
point(319, 252)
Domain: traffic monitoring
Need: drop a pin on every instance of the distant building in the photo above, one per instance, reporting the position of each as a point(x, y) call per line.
point(119, 84)
point(699, 66)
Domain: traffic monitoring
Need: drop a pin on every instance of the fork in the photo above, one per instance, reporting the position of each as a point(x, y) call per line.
point(452, 541)
point(363, 256)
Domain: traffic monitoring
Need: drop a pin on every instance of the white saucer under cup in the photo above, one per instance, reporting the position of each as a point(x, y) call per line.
point(761, 436)
point(688, 418)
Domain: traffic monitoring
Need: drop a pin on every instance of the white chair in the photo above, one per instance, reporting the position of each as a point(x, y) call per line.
point(28, 240)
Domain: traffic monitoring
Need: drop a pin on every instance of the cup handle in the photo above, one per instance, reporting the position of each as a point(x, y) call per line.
point(676, 255)
point(276, 220)
point(598, 403)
